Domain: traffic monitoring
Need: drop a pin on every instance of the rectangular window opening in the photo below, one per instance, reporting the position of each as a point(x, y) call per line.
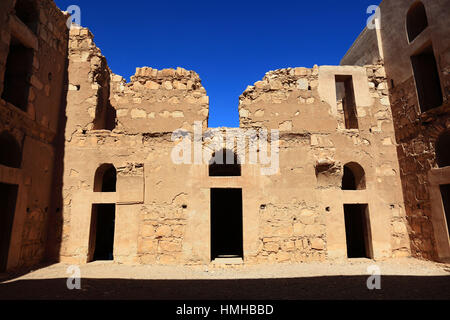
point(19, 67)
point(345, 94)
point(427, 80)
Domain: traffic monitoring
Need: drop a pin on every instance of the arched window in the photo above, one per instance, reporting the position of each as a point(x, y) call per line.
point(354, 177)
point(10, 151)
point(416, 20)
point(443, 150)
point(224, 163)
point(105, 178)
point(27, 12)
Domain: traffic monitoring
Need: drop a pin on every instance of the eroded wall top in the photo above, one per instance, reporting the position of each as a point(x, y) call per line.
point(159, 100)
point(154, 101)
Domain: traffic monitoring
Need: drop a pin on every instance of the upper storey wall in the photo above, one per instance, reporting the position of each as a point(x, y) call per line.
point(154, 101)
point(365, 50)
point(159, 100)
point(33, 56)
point(396, 46)
point(44, 38)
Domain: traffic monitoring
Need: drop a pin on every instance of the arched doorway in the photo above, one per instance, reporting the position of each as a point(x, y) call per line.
point(103, 216)
point(357, 221)
point(226, 208)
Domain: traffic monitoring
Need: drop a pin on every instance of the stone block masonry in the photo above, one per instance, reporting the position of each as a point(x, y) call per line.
point(357, 174)
point(33, 55)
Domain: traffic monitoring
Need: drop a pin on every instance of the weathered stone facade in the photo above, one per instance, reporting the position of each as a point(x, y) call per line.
point(351, 144)
point(163, 210)
point(34, 31)
point(417, 129)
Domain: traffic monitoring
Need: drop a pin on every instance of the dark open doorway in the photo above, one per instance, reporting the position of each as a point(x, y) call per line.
point(8, 199)
point(445, 192)
point(101, 245)
point(226, 224)
point(357, 230)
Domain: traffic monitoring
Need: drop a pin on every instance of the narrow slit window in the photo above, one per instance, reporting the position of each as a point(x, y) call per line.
point(346, 95)
point(105, 113)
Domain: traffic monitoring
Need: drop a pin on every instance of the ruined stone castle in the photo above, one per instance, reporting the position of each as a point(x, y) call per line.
point(87, 173)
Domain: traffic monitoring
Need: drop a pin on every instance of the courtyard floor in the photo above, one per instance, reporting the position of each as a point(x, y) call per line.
point(400, 279)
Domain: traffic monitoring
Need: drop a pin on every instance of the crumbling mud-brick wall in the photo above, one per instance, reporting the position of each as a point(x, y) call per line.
point(163, 209)
point(33, 51)
point(301, 208)
point(151, 206)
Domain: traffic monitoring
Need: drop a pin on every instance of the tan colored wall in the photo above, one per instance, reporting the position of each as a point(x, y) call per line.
point(163, 209)
point(301, 103)
point(36, 129)
point(150, 220)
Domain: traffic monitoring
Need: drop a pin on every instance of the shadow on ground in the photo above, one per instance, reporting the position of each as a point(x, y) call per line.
point(316, 288)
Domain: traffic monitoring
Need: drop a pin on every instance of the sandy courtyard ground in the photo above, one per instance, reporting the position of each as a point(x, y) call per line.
point(400, 279)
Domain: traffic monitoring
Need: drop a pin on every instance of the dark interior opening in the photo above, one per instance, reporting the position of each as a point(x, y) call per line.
point(106, 117)
point(19, 67)
point(427, 79)
point(105, 113)
point(416, 20)
point(445, 192)
point(10, 151)
point(8, 199)
point(105, 179)
point(226, 224)
point(354, 177)
point(27, 12)
point(443, 150)
point(345, 92)
point(101, 245)
point(357, 230)
point(225, 163)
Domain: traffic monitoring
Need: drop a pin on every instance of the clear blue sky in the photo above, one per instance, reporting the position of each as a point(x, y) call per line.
point(230, 44)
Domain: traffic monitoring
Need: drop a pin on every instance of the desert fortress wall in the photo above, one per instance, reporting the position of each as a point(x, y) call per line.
point(163, 209)
point(329, 162)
